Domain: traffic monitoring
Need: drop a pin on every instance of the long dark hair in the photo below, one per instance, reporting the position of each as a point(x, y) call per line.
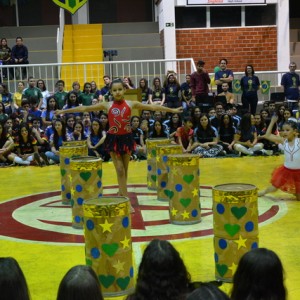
point(208, 132)
point(55, 134)
point(207, 291)
point(99, 133)
point(13, 284)
point(68, 102)
point(222, 128)
point(259, 276)
point(80, 283)
point(162, 274)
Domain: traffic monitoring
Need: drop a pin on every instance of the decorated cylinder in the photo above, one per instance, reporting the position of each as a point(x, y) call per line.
point(66, 153)
point(108, 245)
point(162, 153)
point(183, 189)
point(235, 219)
point(86, 184)
point(75, 143)
point(151, 160)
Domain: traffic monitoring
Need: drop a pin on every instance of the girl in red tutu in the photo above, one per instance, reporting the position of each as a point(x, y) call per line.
point(286, 177)
point(119, 140)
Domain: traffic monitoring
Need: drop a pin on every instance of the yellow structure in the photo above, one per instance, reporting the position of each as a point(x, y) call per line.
point(82, 43)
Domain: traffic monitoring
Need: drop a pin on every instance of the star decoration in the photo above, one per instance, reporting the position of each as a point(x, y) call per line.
point(185, 215)
point(241, 242)
point(174, 212)
point(149, 183)
point(253, 210)
point(149, 156)
point(91, 189)
point(119, 266)
point(70, 177)
point(72, 191)
point(125, 242)
point(157, 158)
point(175, 171)
point(106, 226)
point(195, 192)
point(233, 268)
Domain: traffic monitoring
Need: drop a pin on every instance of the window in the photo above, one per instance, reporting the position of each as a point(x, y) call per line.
point(225, 16)
point(190, 17)
point(260, 15)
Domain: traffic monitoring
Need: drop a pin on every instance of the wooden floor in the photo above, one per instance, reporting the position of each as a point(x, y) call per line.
point(36, 229)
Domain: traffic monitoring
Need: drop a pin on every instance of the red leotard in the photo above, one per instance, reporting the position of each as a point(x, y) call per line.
point(119, 118)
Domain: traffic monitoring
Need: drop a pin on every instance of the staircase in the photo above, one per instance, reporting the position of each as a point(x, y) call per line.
point(82, 43)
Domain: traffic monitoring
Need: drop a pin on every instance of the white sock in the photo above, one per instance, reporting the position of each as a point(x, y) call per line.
point(20, 161)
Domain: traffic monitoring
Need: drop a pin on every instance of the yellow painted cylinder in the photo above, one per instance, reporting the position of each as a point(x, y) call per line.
point(65, 154)
point(235, 214)
point(86, 184)
point(162, 153)
point(151, 160)
point(108, 245)
point(183, 189)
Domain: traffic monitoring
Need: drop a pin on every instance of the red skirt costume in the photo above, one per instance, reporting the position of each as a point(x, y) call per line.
point(286, 179)
point(119, 138)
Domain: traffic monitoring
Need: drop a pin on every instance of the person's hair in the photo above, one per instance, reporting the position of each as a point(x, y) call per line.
point(68, 102)
point(13, 285)
point(106, 76)
point(146, 84)
point(85, 85)
point(187, 119)
point(82, 127)
point(5, 88)
point(135, 117)
point(222, 129)
point(218, 103)
point(19, 38)
point(115, 81)
point(99, 133)
point(224, 60)
point(25, 125)
point(4, 39)
point(201, 132)
point(80, 283)
point(167, 82)
point(59, 81)
point(251, 68)
point(291, 123)
point(44, 85)
point(129, 81)
point(178, 124)
point(207, 291)
point(259, 275)
point(55, 134)
point(245, 124)
point(75, 83)
point(162, 273)
point(162, 133)
point(153, 83)
point(107, 124)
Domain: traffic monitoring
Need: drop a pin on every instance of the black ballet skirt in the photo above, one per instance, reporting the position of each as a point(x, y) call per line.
point(120, 144)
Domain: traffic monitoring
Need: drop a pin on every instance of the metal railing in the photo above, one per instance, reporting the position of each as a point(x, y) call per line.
point(85, 72)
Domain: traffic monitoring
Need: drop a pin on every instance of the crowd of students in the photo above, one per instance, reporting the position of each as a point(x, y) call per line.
point(162, 275)
point(31, 133)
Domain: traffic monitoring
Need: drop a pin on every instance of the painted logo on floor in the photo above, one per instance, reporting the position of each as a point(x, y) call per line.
point(43, 218)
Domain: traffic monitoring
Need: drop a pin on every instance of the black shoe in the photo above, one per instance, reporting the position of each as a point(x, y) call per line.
point(37, 159)
point(45, 158)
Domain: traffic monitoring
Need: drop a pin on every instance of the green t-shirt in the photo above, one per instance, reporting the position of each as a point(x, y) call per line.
point(61, 98)
point(33, 92)
point(86, 99)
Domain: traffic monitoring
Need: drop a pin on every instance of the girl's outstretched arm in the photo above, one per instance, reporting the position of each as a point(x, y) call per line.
point(272, 137)
point(83, 108)
point(153, 107)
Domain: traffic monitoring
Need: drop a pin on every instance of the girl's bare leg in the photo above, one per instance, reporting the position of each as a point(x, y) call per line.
point(270, 189)
point(121, 163)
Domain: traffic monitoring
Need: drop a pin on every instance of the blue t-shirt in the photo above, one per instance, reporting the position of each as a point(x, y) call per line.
point(291, 83)
point(223, 74)
point(250, 85)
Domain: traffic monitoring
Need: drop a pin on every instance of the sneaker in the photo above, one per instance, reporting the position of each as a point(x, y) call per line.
point(45, 158)
point(267, 152)
point(37, 159)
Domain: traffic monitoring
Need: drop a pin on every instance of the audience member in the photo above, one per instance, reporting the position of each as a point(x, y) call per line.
point(18, 95)
point(290, 83)
point(128, 83)
point(162, 274)
point(250, 84)
point(199, 85)
point(145, 90)
point(42, 86)
point(5, 56)
point(80, 283)
point(206, 139)
point(60, 93)
point(259, 275)
point(223, 75)
point(6, 98)
point(229, 96)
point(172, 91)
point(186, 94)
point(104, 92)
point(207, 291)
point(33, 91)
point(184, 135)
point(158, 92)
point(86, 96)
point(19, 56)
point(13, 285)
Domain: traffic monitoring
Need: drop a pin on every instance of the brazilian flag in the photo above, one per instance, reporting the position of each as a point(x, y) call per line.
point(236, 86)
point(265, 87)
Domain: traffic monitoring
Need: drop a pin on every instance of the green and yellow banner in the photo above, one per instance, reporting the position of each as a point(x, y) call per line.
point(236, 86)
point(70, 5)
point(265, 87)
